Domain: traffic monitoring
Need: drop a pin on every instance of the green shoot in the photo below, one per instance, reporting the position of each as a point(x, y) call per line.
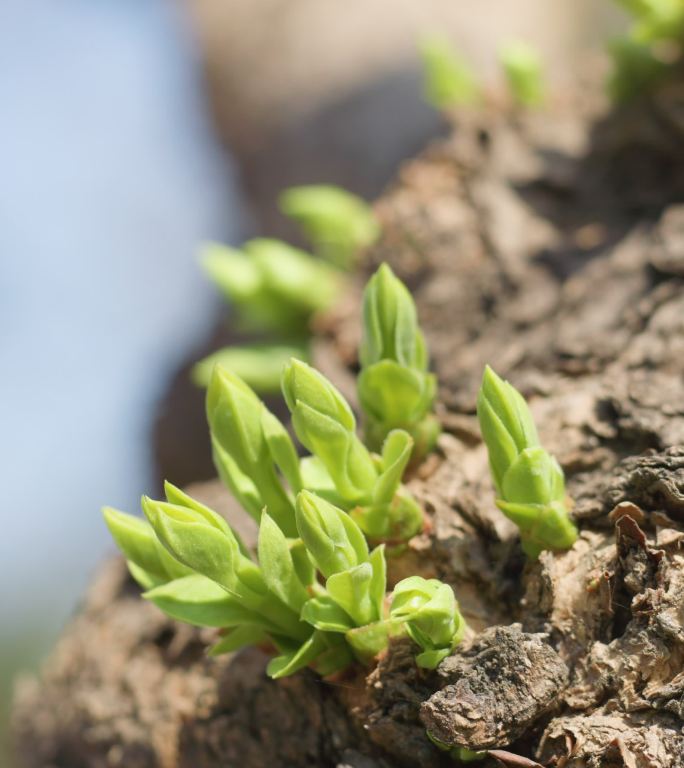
point(448, 81)
point(529, 482)
point(396, 390)
point(431, 615)
point(337, 223)
point(368, 484)
point(522, 67)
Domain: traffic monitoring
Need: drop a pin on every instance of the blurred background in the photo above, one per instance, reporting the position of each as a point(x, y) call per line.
point(132, 131)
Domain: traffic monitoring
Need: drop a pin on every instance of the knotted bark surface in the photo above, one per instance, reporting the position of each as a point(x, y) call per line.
point(551, 247)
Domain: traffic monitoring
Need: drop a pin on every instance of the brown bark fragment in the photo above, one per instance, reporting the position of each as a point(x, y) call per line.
point(496, 689)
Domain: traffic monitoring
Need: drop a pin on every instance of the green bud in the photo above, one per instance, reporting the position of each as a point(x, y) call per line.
point(332, 538)
point(523, 69)
point(395, 388)
point(198, 541)
point(325, 424)
point(232, 271)
point(506, 424)
point(448, 81)
point(390, 323)
point(236, 418)
point(529, 482)
point(430, 611)
point(337, 223)
point(293, 276)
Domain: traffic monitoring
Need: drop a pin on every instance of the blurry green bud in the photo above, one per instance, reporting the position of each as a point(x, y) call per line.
point(232, 271)
point(294, 276)
point(523, 69)
point(332, 538)
point(448, 81)
point(430, 611)
point(337, 223)
point(236, 419)
point(325, 424)
point(259, 366)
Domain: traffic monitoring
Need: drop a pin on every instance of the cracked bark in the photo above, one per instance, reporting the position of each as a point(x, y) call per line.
point(553, 248)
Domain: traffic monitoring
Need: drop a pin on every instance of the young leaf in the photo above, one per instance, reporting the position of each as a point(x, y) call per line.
point(378, 583)
point(235, 416)
point(325, 424)
point(282, 449)
point(396, 453)
point(136, 539)
point(277, 565)
point(325, 614)
point(199, 601)
point(288, 664)
point(194, 541)
point(240, 485)
point(238, 638)
point(351, 590)
point(332, 538)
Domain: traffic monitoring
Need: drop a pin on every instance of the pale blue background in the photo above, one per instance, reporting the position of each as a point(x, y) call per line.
point(109, 177)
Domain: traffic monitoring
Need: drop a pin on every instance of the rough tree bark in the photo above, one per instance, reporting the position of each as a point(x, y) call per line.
point(551, 246)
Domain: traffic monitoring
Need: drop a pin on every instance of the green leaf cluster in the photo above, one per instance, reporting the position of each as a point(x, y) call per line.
point(651, 48)
point(342, 468)
point(430, 613)
point(529, 482)
point(337, 223)
point(522, 68)
point(396, 390)
point(272, 285)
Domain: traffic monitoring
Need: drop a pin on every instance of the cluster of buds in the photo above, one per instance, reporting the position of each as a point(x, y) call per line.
point(273, 285)
point(317, 599)
point(529, 482)
point(274, 288)
point(337, 223)
point(396, 390)
point(366, 484)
